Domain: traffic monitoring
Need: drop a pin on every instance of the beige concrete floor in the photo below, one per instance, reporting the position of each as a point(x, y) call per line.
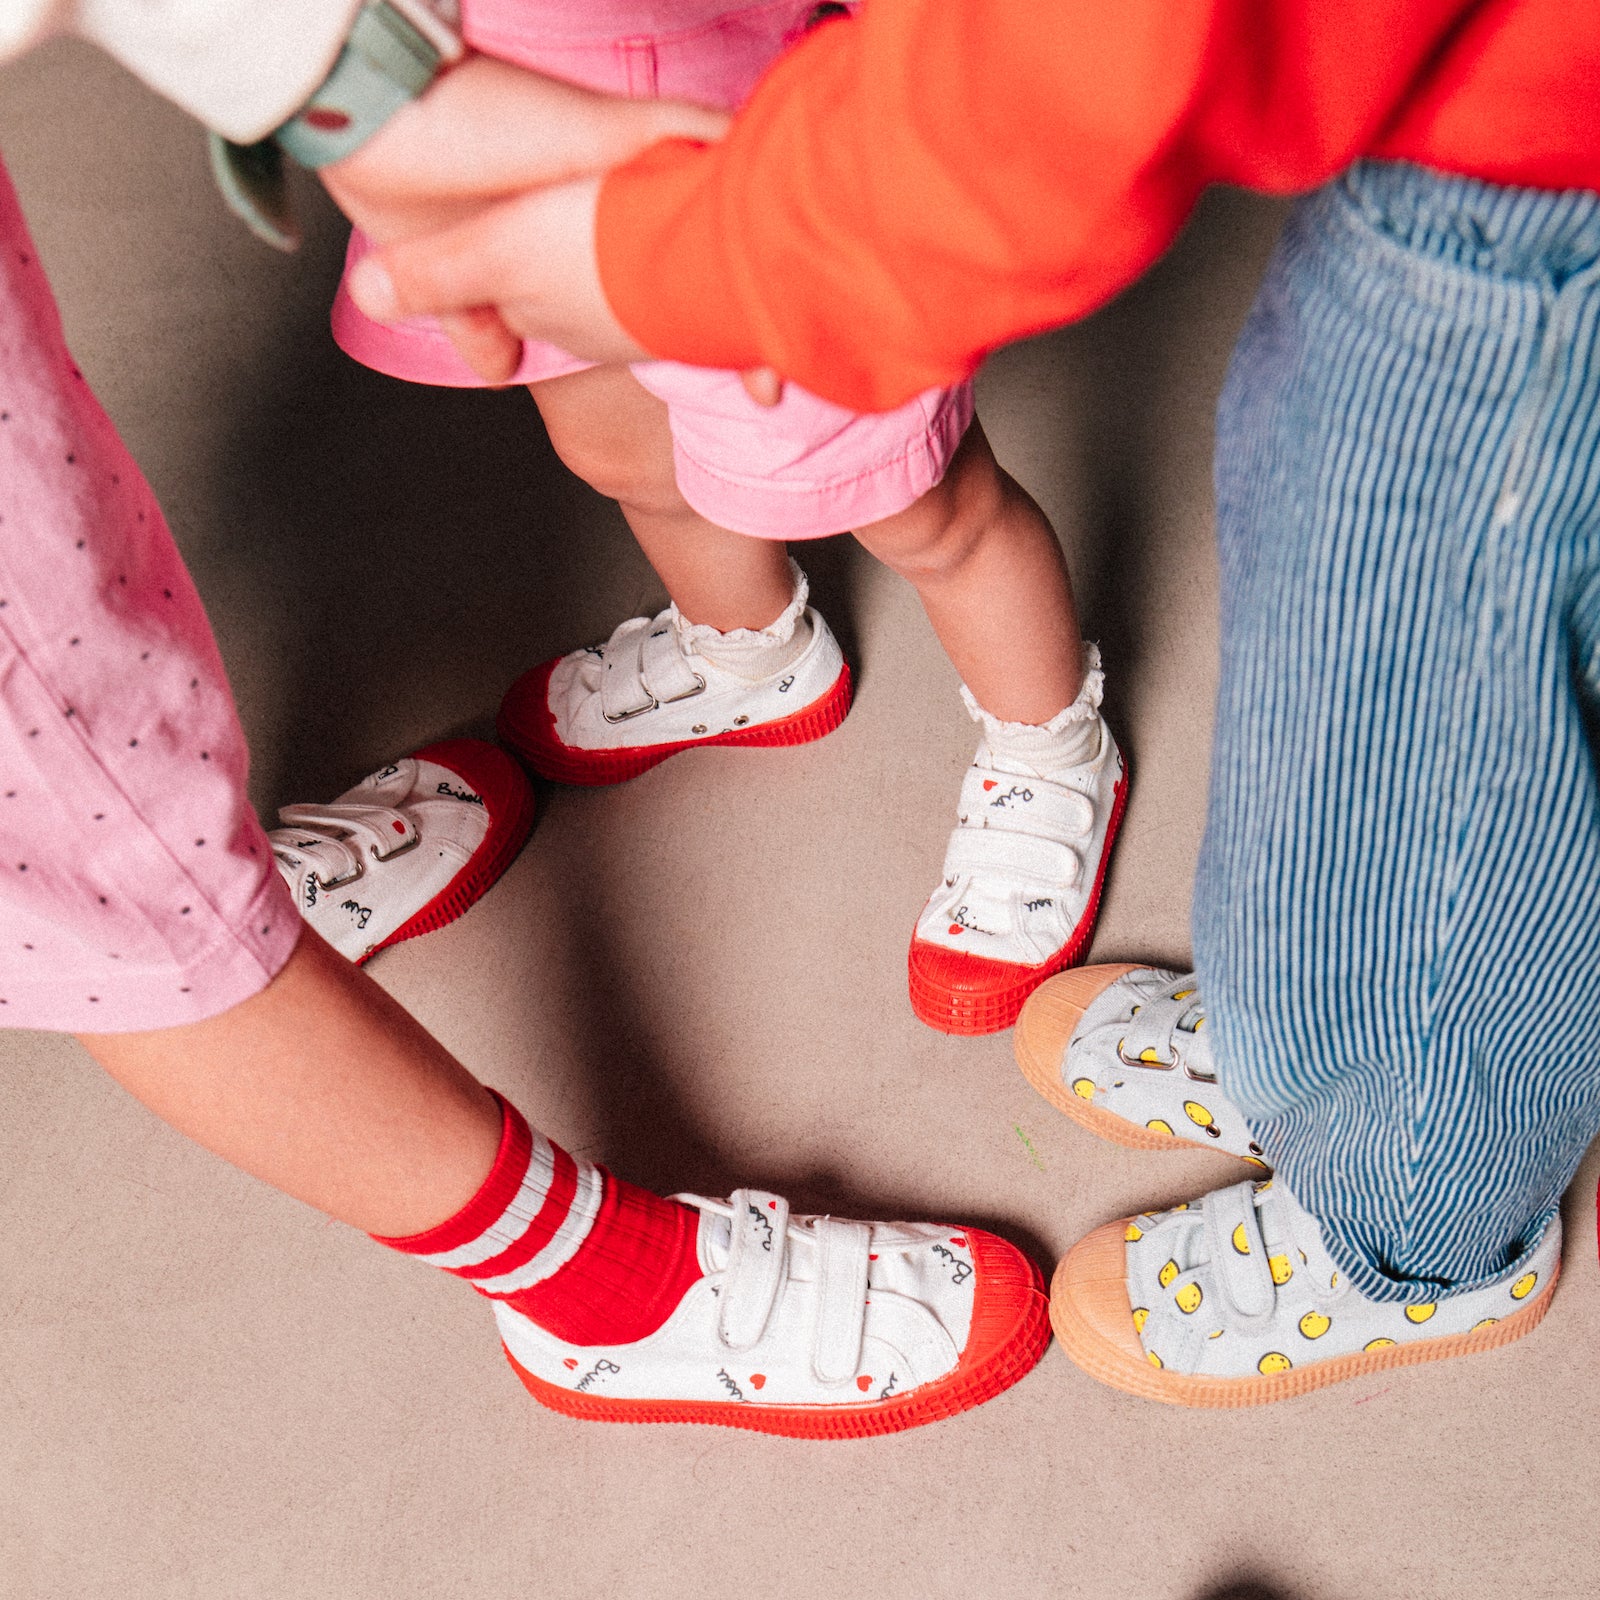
point(207, 1391)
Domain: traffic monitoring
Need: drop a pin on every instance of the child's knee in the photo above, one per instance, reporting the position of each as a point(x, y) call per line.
point(937, 536)
point(626, 465)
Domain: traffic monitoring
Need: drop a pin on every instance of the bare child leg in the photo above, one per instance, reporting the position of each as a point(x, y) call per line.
point(739, 658)
point(608, 1298)
point(1040, 805)
point(614, 435)
point(991, 576)
point(365, 1115)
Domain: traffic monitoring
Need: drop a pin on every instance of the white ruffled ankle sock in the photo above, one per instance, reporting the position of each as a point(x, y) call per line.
point(1045, 749)
point(753, 653)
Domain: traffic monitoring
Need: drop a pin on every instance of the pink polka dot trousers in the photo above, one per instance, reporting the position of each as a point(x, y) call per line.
point(137, 889)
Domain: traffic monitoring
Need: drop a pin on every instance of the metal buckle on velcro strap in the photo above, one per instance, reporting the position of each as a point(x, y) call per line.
point(330, 861)
point(622, 687)
point(381, 830)
point(1244, 1278)
point(842, 1255)
point(1000, 853)
point(757, 1249)
point(662, 668)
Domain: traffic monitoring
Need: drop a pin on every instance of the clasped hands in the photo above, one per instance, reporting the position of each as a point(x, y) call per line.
point(480, 199)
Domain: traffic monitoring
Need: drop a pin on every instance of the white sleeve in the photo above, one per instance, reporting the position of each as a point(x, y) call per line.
point(239, 66)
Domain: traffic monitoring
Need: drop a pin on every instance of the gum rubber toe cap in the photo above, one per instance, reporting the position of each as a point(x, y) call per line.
point(1044, 1030)
point(1089, 1306)
point(1048, 1021)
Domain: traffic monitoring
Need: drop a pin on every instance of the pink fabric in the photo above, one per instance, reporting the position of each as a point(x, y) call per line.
point(137, 889)
point(810, 468)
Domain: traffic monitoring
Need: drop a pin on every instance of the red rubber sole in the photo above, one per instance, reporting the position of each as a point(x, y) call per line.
point(1010, 1333)
point(528, 726)
point(508, 798)
point(964, 994)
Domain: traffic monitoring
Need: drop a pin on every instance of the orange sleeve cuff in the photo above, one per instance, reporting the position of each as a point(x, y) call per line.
point(658, 270)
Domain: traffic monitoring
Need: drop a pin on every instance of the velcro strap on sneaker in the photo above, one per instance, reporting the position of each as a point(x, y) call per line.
point(662, 666)
point(1154, 1034)
point(994, 799)
point(1022, 857)
point(757, 1251)
point(622, 689)
point(377, 830)
point(842, 1256)
point(1239, 1253)
point(327, 862)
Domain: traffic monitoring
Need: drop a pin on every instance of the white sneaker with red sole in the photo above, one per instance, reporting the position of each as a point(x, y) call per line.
point(609, 712)
point(408, 849)
point(1022, 882)
point(811, 1327)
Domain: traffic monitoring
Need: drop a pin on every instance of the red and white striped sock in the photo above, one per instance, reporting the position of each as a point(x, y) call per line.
point(591, 1259)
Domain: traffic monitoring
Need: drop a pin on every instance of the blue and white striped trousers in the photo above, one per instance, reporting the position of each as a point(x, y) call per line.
point(1397, 921)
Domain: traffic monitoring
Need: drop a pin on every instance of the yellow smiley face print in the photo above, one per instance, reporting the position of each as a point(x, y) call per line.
point(1273, 1361)
point(1165, 1276)
point(1083, 1088)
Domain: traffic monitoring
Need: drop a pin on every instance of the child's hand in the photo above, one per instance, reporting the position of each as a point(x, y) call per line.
point(485, 131)
point(531, 259)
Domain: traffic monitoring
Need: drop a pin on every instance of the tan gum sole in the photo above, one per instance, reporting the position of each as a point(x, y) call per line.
point(1042, 1033)
point(1092, 1318)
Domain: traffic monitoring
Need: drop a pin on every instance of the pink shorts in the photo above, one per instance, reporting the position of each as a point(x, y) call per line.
point(137, 889)
point(802, 470)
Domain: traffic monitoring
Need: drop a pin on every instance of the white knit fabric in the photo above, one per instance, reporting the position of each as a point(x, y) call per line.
point(240, 66)
point(528, 1202)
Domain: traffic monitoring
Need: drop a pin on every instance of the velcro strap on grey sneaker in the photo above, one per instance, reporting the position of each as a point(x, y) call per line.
point(1141, 1052)
point(1239, 1254)
point(1167, 1029)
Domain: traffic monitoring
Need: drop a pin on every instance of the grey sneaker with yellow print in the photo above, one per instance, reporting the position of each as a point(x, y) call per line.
point(1124, 1051)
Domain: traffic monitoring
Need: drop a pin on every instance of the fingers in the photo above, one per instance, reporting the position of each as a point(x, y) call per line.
point(457, 269)
point(763, 385)
point(488, 129)
point(485, 343)
point(532, 258)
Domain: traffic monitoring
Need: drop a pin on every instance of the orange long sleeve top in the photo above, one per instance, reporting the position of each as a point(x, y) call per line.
point(910, 188)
